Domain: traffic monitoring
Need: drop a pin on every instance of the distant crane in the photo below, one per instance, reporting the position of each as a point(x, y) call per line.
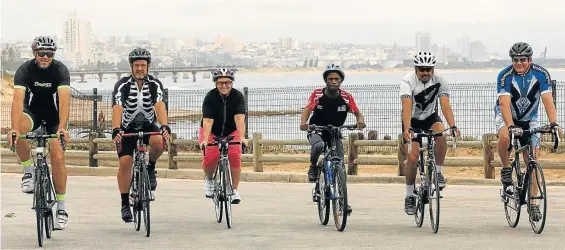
point(544, 54)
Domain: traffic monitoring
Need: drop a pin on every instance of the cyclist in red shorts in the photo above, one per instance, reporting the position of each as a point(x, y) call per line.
point(223, 114)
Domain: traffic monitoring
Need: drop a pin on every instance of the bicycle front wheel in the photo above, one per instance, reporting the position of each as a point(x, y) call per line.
point(434, 197)
point(218, 205)
point(39, 199)
point(339, 203)
point(537, 198)
point(145, 201)
point(322, 200)
point(228, 191)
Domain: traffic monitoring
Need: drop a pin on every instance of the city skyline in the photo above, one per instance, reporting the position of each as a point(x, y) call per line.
point(313, 21)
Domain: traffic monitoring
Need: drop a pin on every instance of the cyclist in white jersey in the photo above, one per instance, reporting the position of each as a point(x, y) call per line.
point(420, 91)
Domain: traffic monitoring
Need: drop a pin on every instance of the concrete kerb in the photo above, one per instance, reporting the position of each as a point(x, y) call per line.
point(197, 174)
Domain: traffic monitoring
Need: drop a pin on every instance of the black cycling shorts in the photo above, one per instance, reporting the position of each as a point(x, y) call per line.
point(424, 125)
point(127, 145)
point(51, 120)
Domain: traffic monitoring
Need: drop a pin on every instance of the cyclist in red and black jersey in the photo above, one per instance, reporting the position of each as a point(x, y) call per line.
point(330, 106)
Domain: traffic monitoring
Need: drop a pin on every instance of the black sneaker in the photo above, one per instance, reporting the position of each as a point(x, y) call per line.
point(313, 173)
point(126, 214)
point(535, 213)
point(506, 176)
point(410, 205)
point(441, 181)
point(153, 180)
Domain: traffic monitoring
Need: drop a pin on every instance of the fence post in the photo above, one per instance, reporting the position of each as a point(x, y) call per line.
point(92, 149)
point(353, 152)
point(401, 157)
point(172, 151)
point(257, 152)
point(488, 156)
point(166, 99)
point(95, 110)
point(554, 92)
point(246, 94)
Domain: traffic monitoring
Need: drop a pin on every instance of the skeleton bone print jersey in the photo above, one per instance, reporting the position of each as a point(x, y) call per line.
point(138, 104)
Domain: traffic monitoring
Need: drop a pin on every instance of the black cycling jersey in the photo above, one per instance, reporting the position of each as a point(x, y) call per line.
point(41, 85)
point(222, 109)
point(41, 101)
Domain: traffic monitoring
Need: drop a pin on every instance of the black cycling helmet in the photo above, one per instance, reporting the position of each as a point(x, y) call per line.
point(139, 54)
point(521, 49)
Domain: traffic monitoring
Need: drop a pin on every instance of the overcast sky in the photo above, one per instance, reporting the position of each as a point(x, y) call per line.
point(498, 23)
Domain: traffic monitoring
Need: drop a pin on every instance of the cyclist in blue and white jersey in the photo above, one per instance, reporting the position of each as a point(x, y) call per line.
point(521, 86)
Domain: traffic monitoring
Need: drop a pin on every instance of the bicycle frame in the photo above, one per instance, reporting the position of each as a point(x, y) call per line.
point(331, 159)
point(524, 177)
point(44, 195)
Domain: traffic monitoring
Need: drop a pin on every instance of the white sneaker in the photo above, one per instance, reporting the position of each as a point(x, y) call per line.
point(62, 220)
point(28, 182)
point(209, 188)
point(235, 197)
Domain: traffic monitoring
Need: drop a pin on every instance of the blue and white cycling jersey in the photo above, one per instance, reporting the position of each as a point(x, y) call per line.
point(524, 90)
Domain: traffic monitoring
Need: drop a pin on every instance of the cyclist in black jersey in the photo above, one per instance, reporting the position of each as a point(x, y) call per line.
point(42, 93)
point(137, 106)
point(330, 106)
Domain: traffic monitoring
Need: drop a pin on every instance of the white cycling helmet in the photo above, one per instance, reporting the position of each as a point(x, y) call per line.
point(424, 59)
point(43, 42)
point(333, 68)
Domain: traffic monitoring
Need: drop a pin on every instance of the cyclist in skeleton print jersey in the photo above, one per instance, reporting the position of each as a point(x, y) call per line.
point(137, 105)
point(420, 91)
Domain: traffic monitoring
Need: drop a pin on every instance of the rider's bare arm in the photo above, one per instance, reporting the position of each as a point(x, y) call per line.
point(64, 93)
point(406, 94)
point(447, 111)
point(17, 107)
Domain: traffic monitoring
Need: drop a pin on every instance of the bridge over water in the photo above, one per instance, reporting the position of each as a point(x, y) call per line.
point(153, 71)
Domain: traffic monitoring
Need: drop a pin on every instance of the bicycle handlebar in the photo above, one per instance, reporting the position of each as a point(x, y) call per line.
point(140, 134)
point(330, 127)
point(517, 132)
point(431, 134)
point(218, 140)
point(35, 137)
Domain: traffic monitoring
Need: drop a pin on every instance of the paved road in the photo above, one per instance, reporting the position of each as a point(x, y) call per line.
point(276, 216)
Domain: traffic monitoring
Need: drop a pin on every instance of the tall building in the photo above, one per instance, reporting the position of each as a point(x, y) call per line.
point(465, 47)
point(78, 41)
point(423, 41)
point(478, 52)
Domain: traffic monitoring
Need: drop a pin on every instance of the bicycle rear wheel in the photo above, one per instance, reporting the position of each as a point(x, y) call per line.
point(227, 190)
point(39, 205)
point(323, 202)
point(539, 200)
point(339, 203)
point(511, 199)
point(420, 205)
point(434, 197)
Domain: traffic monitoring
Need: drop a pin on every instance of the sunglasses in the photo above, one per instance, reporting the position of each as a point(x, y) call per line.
point(425, 69)
point(48, 54)
point(228, 83)
point(521, 59)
